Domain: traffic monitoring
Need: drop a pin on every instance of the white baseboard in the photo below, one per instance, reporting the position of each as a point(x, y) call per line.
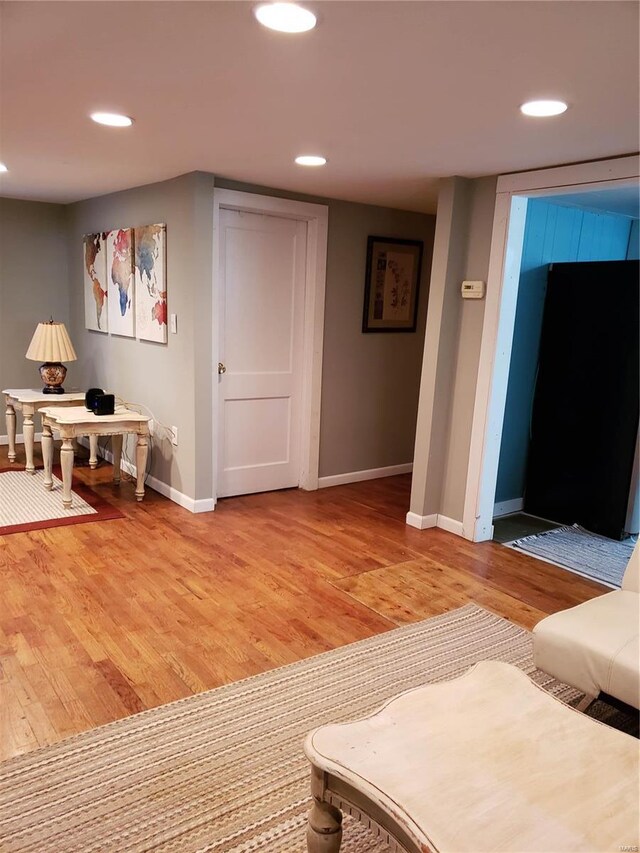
point(451, 525)
point(195, 506)
point(4, 439)
point(368, 474)
point(507, 507)
point(421, 522)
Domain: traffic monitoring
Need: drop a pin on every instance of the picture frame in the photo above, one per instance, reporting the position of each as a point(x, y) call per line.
point(392, 284)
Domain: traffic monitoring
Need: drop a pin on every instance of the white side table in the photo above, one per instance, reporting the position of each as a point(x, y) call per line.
point(77, 420)
point(485, 762)
point(29, 401)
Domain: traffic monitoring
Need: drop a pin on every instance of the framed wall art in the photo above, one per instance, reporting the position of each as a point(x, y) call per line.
point(391, 285)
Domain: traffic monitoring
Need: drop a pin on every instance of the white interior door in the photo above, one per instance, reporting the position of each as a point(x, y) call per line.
point(262, 290)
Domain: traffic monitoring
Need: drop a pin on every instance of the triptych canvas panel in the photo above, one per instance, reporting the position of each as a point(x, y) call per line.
point(125, 291)
point(96, 315)
point(150, 283)
point(120, 282)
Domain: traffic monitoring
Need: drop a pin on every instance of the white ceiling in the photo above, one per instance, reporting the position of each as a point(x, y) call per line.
point(395, 94)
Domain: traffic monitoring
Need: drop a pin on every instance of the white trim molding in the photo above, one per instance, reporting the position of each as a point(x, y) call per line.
point(317, 218)
point(495, 360)
point(424, 522)
point(367, 474)
point(195, 506)
point(513, 192)
point(508, 507)
point(580, 174)
point(421, 522)
point(450, 525)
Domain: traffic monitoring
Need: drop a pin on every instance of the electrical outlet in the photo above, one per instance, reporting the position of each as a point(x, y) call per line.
point(174, 436)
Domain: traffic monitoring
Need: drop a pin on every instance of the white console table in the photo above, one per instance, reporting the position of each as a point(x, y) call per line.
point(77, 420)
point(29, 401)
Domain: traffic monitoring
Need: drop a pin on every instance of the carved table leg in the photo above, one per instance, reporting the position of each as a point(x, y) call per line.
point(324, 828)
point(116, 444)
point(93, 451)
point(47, 455)
point(11, 431)
point(142, 449)
point(28, 431)
point(66, 463)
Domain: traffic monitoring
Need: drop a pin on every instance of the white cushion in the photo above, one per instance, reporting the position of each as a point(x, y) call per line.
point(594, 647)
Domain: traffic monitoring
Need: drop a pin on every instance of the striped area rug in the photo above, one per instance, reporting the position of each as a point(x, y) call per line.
point(25, 504)
point(224, 771)
point(581, 551)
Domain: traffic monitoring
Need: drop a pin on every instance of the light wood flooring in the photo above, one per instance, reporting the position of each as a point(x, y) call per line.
point(101, 620)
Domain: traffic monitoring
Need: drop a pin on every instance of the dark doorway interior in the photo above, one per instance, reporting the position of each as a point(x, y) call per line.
point(585, 414)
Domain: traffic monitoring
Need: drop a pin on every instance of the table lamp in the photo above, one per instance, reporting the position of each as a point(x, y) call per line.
point(51, 344)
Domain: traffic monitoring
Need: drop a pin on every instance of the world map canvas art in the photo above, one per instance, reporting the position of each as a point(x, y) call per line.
point(96, 315)
point(150, 286)
point(125, 291)
point(120, 282)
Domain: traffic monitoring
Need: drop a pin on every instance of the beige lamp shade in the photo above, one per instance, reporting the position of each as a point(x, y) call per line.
point(51, 342)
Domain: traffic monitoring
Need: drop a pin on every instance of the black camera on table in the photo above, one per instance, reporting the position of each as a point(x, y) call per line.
point(99, 403)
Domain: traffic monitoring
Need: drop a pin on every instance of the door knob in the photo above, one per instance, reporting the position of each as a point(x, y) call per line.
point(221, 368)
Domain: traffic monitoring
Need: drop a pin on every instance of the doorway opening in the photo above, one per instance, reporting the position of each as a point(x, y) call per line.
point(572, 229)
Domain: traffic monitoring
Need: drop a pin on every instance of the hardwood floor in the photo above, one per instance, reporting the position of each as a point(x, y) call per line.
point(101, 620)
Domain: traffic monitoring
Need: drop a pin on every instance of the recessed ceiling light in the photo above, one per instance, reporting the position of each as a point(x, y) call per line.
point(3, 168)
point(311, 160)
point(543, 108)
point(285, 17)
point(112, 119)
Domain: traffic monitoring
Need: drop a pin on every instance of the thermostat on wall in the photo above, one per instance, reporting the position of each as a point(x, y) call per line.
point(472, 289)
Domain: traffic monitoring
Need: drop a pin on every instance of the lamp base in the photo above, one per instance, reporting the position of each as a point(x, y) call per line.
point(52, 374)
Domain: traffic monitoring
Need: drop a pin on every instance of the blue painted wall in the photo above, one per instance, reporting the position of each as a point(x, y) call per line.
point(552, 234)
point(633, 251)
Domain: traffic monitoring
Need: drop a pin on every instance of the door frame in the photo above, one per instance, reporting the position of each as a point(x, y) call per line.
point(317, 218)
point(507, 240)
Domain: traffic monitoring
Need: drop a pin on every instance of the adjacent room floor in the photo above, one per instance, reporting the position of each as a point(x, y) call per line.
point(101, 620)
point(506, 528)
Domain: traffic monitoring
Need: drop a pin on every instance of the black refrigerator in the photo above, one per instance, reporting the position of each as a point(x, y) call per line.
point(585, 411)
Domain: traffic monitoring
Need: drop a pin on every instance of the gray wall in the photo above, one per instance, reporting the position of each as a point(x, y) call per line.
point(471, 318)
point(370, 382)
point(452, 347)
point(172, 381)
point(33, 286)
point(440, 346)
